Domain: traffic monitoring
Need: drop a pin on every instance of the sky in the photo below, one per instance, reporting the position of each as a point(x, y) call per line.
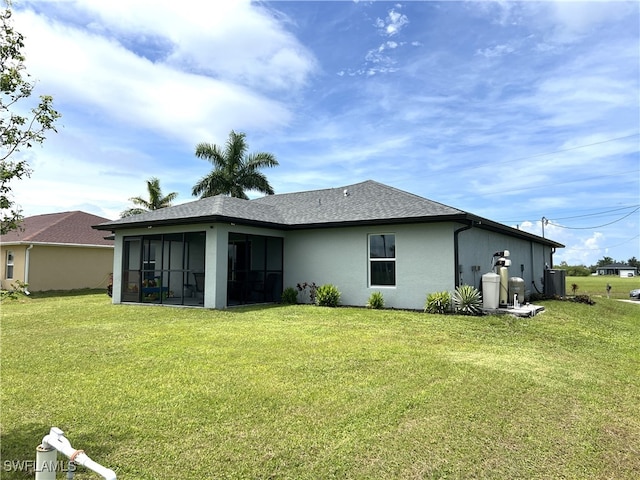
point(525, 113)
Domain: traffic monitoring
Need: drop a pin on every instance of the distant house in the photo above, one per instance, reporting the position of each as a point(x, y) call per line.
point(57, 251)
point(619, 269)
point(368, 237)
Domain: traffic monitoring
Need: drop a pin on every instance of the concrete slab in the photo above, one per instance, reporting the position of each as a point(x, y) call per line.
point(527, 310)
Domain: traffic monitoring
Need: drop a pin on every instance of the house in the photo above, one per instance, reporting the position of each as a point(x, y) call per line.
point(57, 251)
point(222, 251)
point(619, 269)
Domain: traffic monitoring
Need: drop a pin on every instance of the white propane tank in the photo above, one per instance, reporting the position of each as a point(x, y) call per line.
point(490, 290)
point(504, 286)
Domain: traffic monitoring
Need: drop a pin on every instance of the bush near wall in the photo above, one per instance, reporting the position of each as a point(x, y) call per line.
point(327, 296)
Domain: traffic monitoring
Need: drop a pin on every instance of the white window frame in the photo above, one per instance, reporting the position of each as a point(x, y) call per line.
point(9, 266)
point(382, 259)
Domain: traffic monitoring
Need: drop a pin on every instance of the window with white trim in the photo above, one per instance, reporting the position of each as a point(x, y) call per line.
point(9, 265)
point(382, 260)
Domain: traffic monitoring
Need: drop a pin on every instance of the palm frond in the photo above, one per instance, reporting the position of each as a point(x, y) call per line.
point(261, 160)
point(234, 170)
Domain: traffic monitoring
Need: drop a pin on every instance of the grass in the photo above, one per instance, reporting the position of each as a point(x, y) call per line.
point(596, 286)
point(303, 392)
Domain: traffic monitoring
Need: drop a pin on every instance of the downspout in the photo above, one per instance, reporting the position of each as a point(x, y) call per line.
point(26, 267)
point(456, 254)
point(533, 268)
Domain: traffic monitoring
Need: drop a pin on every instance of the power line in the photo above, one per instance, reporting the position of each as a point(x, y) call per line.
point(598, 226)
point(598, 214)
point(555, 152)
point(602, 248)
point(564, 183)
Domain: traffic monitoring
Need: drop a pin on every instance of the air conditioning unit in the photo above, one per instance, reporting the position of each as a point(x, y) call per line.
point(555, 282)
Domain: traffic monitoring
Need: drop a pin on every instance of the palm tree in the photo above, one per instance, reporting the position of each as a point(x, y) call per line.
point(234, 170)
point(155, 202)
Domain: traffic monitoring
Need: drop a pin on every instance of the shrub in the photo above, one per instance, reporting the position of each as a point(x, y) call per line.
point(312, 290)
point(327, 295)
point(289, 296)
point(376, 300)
point(438, 302)
point(583, 299)
point(19, 289)
point(467, 300)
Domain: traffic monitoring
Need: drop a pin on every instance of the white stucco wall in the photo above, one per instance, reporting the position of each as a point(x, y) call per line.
point(424, 262)
point(424, 259)
point(476, 247)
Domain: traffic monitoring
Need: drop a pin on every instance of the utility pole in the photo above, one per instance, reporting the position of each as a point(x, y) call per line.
point(544, 222)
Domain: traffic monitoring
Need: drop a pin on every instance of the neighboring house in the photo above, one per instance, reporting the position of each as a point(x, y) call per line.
point(363, 238)
point(57, 251)
point(618, 269)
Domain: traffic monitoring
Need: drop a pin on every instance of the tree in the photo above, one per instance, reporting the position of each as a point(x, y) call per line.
point(574, 270)
point(17, 131)
point(633, 262)
point(156, 199)
point(604, 261)
point(234, 170)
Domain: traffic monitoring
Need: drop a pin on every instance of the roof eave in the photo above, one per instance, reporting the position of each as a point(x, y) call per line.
point(186, 221)
point(55, 244)
point(379, 221)
point(462, 217)
point(492, 226)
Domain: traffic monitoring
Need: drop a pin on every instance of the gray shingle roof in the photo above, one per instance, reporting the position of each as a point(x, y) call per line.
point(363, 202)
point(203, 210)
point(368, 201)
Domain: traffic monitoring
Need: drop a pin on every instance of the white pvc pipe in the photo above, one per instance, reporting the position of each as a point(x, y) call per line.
point(57, 440)
point(46, 462)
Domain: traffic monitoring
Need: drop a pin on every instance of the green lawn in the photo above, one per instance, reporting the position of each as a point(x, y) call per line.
point(303, 392)
point(596, 286)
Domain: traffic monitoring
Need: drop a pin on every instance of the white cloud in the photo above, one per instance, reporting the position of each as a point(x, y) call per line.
point(234, 40)
point(497, 51)
point(576, 18)
point(99, 73)
point(583, 250)
point(392, 24)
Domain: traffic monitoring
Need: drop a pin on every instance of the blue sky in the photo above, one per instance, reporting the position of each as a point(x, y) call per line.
point(515, 111)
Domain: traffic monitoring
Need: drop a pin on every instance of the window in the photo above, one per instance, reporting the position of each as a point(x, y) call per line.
point(382, 260)
point(9, 271)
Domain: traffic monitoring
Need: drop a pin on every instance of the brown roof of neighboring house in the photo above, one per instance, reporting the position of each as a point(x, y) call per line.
point(59, 228)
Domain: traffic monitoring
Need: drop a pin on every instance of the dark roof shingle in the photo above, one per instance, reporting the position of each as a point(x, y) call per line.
point(367, 202)
point(362, 202)
point(73, 227)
